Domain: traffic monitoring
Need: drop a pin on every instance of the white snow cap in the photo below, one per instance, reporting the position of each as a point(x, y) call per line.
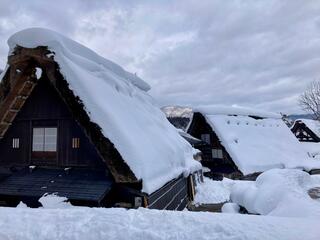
point(234, 110)
point(117, 101)
point(256, 145)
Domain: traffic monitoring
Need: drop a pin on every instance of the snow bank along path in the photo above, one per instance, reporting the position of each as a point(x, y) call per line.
point(279, 192)
point(118, 102)
point(95, 224)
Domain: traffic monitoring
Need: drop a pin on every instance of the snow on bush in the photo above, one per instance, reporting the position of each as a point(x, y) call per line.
point(211, 191)
point(121, 224)
point(279, 192)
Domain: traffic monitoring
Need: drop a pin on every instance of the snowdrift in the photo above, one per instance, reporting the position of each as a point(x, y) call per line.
point(279, 192)
point(96, 224)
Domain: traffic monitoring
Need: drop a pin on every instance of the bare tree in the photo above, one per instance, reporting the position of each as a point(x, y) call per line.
point(310, 99)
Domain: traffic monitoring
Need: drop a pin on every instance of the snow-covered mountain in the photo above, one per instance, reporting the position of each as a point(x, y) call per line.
point(177, 111)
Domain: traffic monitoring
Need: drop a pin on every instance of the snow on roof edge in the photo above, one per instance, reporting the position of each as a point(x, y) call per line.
point(234, 110)
point(34, 37)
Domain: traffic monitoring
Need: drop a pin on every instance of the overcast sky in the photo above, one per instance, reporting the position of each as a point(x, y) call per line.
point(250, 53)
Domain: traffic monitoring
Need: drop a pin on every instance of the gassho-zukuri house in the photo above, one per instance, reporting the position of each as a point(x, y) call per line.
point(308, 133)
point(243, 142)
point(76, 124)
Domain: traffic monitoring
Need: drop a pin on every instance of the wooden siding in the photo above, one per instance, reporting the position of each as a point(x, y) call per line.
point(47, 109)
point(224, 166)
point(173, 196)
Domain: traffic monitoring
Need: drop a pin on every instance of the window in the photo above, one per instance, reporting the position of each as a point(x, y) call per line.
point(205, 138)
point(217, 153)
point(15, 143)
point(44, 140)
point(75, 142)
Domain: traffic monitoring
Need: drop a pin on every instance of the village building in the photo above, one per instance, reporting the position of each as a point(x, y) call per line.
point(308, 133)
point(245, 142)
point(75, 124)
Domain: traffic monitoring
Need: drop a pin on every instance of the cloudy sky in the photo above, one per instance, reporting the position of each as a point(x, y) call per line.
point(251, 53)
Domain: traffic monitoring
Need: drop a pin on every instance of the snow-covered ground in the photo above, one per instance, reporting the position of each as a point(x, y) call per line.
point(95, 224)
point(283, 192)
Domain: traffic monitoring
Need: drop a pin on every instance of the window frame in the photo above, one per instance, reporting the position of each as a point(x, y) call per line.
point(75, 144)
point(15, 143)
point(217, 153)
point(206, 137)
point(43, 147)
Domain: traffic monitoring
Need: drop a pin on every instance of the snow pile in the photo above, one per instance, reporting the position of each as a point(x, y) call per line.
point(256, 145)
point(279, 192)
point(117, 101)
point(95, 224)
point(211, 191)
point(230, 208)
point(54, 201)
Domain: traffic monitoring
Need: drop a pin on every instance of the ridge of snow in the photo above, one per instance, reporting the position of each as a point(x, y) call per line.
point(234, 110)
point(121, 224)
point(117, 102)
point(34, 37)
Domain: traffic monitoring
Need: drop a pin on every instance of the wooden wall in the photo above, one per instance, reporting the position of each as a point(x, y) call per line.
point(173, 196)
point(224, 166)
point(46, 108)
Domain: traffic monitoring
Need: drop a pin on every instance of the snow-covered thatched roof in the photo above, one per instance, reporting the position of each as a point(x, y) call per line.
point(256, 140)
point(118, 103)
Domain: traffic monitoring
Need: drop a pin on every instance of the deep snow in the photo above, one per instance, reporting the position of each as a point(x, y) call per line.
point(211, 191)
point(95, 224)
point(118, 102)
point(279, 192)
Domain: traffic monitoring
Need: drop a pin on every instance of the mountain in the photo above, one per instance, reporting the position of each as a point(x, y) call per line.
point(177, 111)
point(298, 116)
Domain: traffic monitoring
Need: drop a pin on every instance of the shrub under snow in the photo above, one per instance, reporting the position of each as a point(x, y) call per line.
point(279, 192)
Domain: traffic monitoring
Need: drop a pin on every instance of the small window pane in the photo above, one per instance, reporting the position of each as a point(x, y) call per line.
point(15, 143)
point(38, 140)
point(50, 140)
point(205, 138)
point(217, 153)
point(75, 142)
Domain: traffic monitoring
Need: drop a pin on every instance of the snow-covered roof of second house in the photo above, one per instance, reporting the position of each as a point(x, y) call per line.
point(117, 101)
point(257, 145)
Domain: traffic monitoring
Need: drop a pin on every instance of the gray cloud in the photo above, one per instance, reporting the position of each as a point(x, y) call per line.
point(255, 53)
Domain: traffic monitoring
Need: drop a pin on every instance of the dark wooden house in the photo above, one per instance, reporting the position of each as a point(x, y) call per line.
point(244, 142)
point(49, 144)
point(214, 155)
point(306, 130)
